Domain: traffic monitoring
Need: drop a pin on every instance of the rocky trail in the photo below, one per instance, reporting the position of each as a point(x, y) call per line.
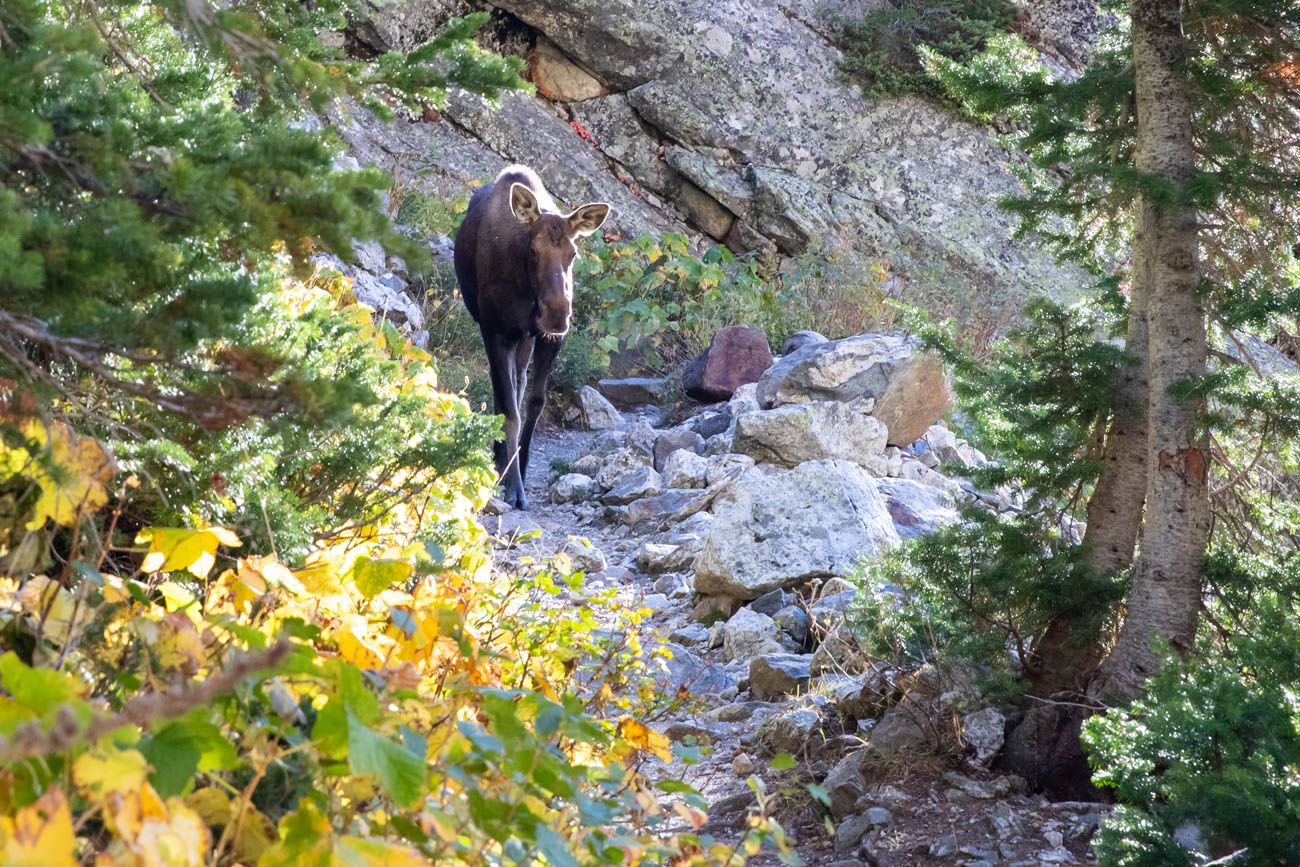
point(734, 527)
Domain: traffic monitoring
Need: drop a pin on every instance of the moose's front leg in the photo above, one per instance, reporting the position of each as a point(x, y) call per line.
point(505, 397)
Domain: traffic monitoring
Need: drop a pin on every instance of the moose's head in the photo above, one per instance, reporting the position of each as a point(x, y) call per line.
point(551, 252)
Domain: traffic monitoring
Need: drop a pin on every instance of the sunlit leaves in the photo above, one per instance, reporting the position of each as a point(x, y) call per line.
point(39, 835)
point(640, 736)
point(172, 549)
point(96, 773)
point(150, 832)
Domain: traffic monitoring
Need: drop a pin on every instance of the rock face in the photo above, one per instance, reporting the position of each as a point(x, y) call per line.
point(733, 118)
point(909, 386)
point(789, 435)
point(776, 529)
point(737, 355)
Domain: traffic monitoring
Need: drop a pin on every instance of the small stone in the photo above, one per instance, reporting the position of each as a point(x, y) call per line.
point(845, 784)
point(598, 412)
point(878, 816)
point(793, 621)
point(640, 483)
point(583, 556)
point(573, 488)
point(943, 847)
point(850, 832)
point(690, 634)
point(742, 765)
point(793, 731)
point(980, 790)
point(656, 602)
point(800, 339)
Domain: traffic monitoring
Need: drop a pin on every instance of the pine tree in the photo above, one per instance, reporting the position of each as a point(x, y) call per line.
point(1176, 138)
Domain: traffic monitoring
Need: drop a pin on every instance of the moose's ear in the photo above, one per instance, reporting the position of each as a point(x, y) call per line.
point(587, 219)
point(524, 204)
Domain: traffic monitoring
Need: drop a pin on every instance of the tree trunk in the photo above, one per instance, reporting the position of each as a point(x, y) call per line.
point(1164, 602)
point(1044, 746)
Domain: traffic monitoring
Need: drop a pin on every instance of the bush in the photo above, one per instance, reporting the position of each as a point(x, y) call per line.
point(984, 590)
point(1211, 755)
point(883, 49)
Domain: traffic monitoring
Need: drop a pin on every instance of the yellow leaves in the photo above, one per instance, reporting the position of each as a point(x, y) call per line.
point(254, 833)
point(641, 737)
point(97, 773)
point(359, 646)
point(76, 480)
point(39, 835)
point(150, 832)
point(48, 603)
point(174, 548)
point(175, 642)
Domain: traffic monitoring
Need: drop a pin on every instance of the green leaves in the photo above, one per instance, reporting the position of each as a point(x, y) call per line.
point(401, 772)
point(184, 747)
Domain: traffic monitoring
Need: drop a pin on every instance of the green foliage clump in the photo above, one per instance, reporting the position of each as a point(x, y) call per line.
point(884, 50)
point(1211, 753)
point(1039, 399)
point(986, 590)
point(654, 297)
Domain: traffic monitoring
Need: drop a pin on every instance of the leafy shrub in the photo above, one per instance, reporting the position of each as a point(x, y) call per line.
point(428, 214)
point(985, 590)
point(653, 297)
point(1212, 753)
point(248, 614)
point(882, 50)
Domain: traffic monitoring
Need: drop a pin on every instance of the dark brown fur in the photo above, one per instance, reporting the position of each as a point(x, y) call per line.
point(514, 262)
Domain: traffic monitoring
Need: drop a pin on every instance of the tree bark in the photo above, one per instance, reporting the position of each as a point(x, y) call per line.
point(1164, 602)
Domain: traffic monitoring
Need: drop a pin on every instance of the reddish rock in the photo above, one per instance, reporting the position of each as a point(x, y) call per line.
point(738, 355)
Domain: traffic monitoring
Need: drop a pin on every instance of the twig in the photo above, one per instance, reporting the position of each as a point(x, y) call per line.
point(32, 740)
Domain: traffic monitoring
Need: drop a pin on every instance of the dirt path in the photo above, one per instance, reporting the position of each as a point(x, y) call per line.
point(926, 820)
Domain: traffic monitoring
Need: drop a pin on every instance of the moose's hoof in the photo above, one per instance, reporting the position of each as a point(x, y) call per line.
point(517, 500)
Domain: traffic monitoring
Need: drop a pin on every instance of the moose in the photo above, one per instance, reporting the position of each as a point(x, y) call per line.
point(514, 262)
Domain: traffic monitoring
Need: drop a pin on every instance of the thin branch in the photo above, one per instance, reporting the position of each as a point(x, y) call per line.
point(32, 741)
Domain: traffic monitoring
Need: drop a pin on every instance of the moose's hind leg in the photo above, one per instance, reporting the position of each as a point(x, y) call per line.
point(543, 361)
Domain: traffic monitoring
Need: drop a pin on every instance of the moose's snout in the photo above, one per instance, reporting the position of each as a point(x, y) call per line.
point(554, 318)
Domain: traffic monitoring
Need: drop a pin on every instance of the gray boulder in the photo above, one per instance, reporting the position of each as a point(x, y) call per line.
point(777, 674)
point(597, 412)
point(620, 464)
point(789, 435)
point(685, 469)
point(909, 386)
point(984, 732)
point(638, 484)
point(916, 508)
point(634, 391)
point(794, 730)
point(800, 339)
point(583, 556)
point(670, 441)
point(779, 528)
